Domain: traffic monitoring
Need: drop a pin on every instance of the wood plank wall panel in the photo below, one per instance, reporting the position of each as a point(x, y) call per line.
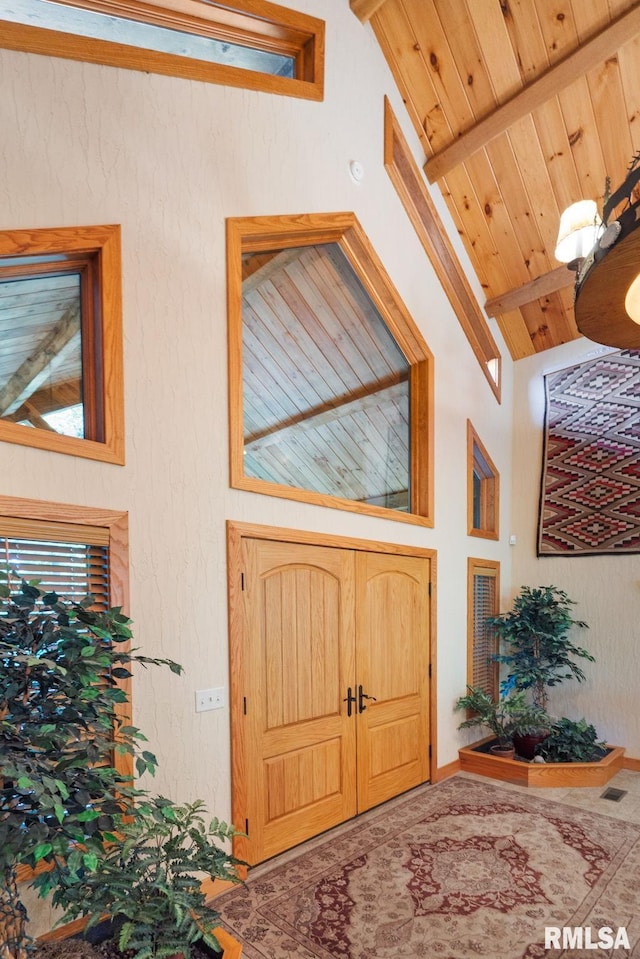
point(457, 61)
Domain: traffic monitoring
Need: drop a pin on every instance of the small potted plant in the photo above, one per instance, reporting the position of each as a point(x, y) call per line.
point(503, 717)
point(148, 883)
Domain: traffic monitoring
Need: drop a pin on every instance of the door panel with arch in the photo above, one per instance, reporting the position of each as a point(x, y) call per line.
point(305, 757)
point(392, 665)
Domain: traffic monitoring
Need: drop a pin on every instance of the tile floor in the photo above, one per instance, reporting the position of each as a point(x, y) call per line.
point(589, 797)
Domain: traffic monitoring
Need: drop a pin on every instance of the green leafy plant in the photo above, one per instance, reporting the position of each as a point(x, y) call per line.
point(572, 741)
point(504, 717)
point(535, 633)
point(149, 883)
point(61, 795)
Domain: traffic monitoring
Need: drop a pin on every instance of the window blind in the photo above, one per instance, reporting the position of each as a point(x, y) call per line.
point(484, 643)
point(70, 559)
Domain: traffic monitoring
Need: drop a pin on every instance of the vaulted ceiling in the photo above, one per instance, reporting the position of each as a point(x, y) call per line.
point(522, 107)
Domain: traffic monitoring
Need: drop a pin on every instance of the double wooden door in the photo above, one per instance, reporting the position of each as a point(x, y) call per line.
point(331, 698)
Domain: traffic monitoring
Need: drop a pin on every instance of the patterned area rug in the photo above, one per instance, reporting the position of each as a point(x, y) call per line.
point(452, 871)
point(590, 499)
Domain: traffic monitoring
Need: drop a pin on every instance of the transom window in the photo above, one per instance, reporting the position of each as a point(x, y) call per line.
point(272, 48)
point(60, 341)
point(327, 387)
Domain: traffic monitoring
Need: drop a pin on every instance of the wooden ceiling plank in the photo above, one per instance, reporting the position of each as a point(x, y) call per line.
point(497, 52)
point(559, 325)
point(558, 28)
point(523, 27)
point(539, 331)
point(513, 190)
point(552, 82)
point(402, 52)
point(365, 9)
point(551, 282)
point(607, 98)
point(557, 153)
point(545, 214)
point(516, 335)
point(501, 260)
point(467, 54)
point(629, 65)
point(440, 70)
point(50, 352)
point(579, 119)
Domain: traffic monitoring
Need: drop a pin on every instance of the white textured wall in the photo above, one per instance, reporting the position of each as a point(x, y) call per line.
point(169, 159)
point(605, 588)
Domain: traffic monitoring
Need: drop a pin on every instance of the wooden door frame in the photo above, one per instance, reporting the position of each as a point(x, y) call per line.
point(236, 532)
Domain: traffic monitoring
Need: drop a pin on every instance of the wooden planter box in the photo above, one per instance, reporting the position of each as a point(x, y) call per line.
point(524, 773)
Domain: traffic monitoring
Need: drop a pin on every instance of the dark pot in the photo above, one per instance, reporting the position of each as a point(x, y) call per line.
point(526, 745)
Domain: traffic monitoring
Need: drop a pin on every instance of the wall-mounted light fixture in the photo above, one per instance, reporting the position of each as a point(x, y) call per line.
point(605, 254)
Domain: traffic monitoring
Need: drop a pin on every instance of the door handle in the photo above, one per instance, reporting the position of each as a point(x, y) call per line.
point(350, 700)
point(362, 696)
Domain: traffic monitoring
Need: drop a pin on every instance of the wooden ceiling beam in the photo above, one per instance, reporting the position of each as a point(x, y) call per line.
point(48, 355)
point(584, 58)
point(548, 283)
point(390, 390)
point(365, 9)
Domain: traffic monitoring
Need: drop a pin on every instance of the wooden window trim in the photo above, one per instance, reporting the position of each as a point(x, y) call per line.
point(420, 208)
point(490, 489)
point(44, 519)
point(256, 23)
point(104, 378)
point(479, 567)
point(256, 234)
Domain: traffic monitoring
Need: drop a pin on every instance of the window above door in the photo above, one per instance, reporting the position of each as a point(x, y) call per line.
point(329, 379)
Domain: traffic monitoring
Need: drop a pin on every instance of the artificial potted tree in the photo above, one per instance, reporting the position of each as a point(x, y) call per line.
point(503, 717)
point(538, 651)
point(64, 804)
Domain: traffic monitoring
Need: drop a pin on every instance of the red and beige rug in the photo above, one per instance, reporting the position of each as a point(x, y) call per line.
point(452, 871)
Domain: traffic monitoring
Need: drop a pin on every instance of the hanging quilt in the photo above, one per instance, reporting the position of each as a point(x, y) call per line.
point(590, 496)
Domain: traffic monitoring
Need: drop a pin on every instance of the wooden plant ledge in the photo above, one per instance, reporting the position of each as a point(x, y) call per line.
point(541, 774)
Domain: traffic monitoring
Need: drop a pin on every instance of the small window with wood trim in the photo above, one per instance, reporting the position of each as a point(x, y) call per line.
point(258, 45)
point(483, 488)
point(61, 341)
point(329, 379)
point(483, 590)
point(73, 551)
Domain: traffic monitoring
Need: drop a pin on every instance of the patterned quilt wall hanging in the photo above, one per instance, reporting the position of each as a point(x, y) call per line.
point(590, 496)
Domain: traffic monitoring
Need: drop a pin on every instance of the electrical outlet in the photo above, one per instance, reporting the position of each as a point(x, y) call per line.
point(210, 699)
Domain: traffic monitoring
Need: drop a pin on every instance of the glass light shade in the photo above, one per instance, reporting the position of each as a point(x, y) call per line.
point(580, 227)
point(632, 300)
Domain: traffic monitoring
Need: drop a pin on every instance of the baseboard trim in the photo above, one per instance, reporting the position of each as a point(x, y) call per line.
point(444, 772)
point(630, 763)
